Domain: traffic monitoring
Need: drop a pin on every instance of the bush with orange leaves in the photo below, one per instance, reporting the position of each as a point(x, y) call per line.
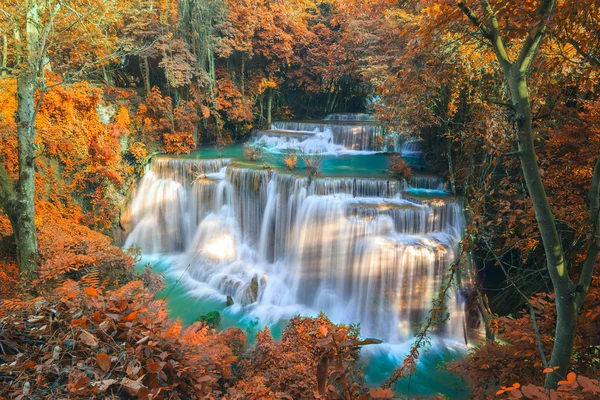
point(492, 366)
point(88, 342)
point(303, 364)
point(162, 126)
point(290, 161)
point(573, 387)
point(399, 168)
point(69, 250)
point(79, 169)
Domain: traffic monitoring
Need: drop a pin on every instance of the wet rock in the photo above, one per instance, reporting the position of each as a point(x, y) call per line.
point(250, 293)
point(254, 288)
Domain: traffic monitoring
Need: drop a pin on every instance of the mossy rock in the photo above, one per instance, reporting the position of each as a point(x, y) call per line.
point(212, 319)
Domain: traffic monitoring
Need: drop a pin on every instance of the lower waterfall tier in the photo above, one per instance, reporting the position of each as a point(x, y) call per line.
point(280, 245)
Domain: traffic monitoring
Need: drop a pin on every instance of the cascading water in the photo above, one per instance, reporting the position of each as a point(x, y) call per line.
point(351, 134)
point(429, 182)
point(306, 142)
point(161, 212)
point(279, 245)
point(412, 148)
point(350, 117)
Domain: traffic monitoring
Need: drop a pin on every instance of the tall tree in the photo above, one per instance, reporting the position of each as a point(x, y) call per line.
point(569, 295)
point(464, 73)
point(86, 30)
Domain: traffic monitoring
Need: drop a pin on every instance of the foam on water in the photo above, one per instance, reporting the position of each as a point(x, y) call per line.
point(280, 245)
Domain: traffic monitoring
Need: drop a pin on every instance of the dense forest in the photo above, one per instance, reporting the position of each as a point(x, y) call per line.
point(101, 99)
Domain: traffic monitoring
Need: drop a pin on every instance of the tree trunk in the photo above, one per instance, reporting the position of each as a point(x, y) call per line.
point(3, 66)
point(566, 307)
point(269, 108)
point(24, 220)
point(146, 74)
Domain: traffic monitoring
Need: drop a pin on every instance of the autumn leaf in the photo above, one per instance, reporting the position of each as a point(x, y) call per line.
point(155, 367)
point(323, 331)
point(381, 393)
point(103, 361)
point(90, 291)
point(88, 339)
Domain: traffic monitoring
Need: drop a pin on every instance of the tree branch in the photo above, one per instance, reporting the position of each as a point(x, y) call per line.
point(496, 39)
point(594, 241)
point(594, 60)
point(474, 19)
point(532, 43)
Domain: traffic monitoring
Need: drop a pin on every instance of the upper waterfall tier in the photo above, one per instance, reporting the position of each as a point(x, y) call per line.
point(305, 142)
point(427, 182)
point(351, 134)
point(361, 250)
point(350, 117)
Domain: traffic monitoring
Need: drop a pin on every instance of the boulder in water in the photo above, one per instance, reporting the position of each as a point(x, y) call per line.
point(250, 294)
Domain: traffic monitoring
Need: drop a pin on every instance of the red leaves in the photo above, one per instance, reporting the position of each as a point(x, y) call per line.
point(155, 367)
point(381, 394)
point(492, 365)
point(80, 384)
point(313, 359)
point(135, 388)
point(574, 387)
point(571, 379)
point(117, 352)
point(103, 361)
point(165, 125)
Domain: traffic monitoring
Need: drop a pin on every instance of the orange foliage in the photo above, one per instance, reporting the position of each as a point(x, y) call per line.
point(80, 171)
point(290, 161)
point(69, 250)
point(573, 387)
point(286, 368)
point(493, 365)
point(99, 343)
point(162, 124)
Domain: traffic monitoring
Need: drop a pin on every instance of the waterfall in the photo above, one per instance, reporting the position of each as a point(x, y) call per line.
point(162, 215)
point(427, 182)
point(351, 134)
point(412, 148)
point(361, 250)
point(350, 117)
point(305, 142)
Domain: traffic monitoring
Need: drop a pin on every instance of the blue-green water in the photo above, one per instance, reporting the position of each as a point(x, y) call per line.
point(379, 361)
point(361, 164)
point(187, 299)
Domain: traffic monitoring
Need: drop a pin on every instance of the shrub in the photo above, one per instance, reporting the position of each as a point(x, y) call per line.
point(86, 342)
point(311, 351)
point(399, 168)
point(253, 152)
point(290, 161)
point(313, 162)
point(212, 319)
point(491, 366)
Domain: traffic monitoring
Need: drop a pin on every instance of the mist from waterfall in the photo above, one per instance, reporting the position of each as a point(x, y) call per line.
point(282, 245)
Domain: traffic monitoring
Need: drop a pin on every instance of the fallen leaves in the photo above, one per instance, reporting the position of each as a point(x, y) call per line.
point(88, 339)
point(103, 361)
point(97, 345)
